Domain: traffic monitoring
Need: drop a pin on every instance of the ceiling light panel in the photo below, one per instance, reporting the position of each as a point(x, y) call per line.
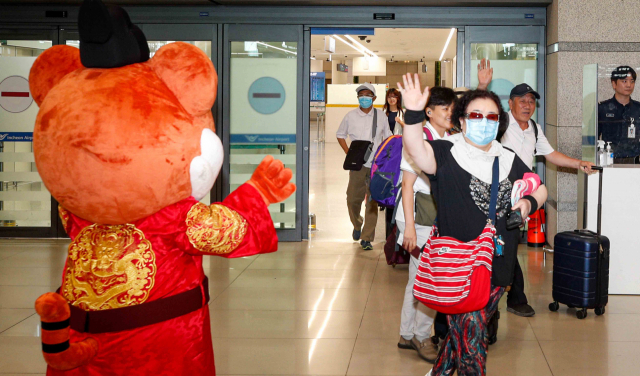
point(447, 44)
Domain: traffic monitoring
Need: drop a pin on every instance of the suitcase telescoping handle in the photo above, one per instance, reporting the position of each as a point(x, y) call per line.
point(600, 171)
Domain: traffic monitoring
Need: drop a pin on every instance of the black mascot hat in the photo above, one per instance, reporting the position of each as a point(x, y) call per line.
point(108, 39)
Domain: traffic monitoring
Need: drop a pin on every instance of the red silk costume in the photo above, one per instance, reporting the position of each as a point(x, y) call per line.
point(153, 258)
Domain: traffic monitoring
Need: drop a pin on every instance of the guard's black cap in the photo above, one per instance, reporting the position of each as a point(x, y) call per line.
point(620, 73)
point(521, 90)
point(108, 39)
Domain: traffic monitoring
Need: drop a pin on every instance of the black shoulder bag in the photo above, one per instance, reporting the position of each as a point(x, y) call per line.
point(360, 151)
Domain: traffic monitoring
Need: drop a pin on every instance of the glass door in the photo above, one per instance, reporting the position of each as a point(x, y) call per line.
point(262, 110)
point(517, 55)
point(205, 38)
point(25, 203)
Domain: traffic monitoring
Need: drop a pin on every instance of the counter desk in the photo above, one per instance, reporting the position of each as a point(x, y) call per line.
point(620, 222)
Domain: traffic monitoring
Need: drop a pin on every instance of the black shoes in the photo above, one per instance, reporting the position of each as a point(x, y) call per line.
point(366, 245)
point(356, 235)
point(523, 310)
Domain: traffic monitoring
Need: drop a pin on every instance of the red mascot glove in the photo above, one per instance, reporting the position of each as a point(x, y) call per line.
point(271, 179)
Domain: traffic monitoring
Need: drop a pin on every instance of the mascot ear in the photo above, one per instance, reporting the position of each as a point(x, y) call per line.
point(189, 74)
point(50, 67)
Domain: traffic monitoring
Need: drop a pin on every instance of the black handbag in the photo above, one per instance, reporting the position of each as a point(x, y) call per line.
point(360, 151)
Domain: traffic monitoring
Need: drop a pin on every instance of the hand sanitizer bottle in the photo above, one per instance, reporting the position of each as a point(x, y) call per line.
point(601, 159)
point(609, 154)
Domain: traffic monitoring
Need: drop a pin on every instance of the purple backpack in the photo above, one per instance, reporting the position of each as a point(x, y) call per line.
point(385, 171)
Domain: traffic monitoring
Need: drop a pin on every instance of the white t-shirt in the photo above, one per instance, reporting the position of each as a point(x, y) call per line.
point(421, 184)
point(357, 125)
point(523, 143)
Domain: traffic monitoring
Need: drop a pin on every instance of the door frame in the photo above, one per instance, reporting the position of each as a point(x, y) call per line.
point(239, 33)
point(41, 32)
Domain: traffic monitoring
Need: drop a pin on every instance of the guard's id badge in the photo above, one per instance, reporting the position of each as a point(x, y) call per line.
point(631, 130)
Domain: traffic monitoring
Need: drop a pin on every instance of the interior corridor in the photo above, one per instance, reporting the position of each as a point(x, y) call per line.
point(325, 307)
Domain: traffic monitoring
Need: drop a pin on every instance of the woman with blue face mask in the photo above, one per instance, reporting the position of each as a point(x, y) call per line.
point(460, 169)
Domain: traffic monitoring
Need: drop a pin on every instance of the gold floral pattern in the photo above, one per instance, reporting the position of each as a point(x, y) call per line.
point(64, 217)
point(109, 267)
point(215, 229)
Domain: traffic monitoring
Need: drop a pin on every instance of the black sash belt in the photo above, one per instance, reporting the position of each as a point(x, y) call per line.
point(132, 317)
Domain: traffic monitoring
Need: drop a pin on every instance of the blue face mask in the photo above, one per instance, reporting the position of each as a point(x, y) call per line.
point(481, 132)
point(365, 102)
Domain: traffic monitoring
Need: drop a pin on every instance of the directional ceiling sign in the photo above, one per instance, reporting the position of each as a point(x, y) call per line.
point(266, 95)
point(14, 94)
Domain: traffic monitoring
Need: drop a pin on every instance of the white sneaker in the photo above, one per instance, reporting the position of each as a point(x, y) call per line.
point(429, 373)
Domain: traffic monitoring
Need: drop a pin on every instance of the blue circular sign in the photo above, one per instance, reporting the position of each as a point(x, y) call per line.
point(266, 95)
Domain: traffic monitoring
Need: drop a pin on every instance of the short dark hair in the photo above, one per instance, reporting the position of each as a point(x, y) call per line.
point(621, 72)
point(441, 96)
point(460, 109)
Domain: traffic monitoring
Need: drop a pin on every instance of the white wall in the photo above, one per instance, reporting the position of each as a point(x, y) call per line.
point(336, 76)
point(317, 66)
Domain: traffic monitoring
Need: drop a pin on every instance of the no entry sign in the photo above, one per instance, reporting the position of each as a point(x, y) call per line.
point(14, 94)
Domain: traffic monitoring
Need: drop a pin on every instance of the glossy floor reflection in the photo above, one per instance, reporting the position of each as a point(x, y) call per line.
point(325, 307)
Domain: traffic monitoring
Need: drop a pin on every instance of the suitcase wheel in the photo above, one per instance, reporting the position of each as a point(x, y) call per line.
point(393, 265)
point(493, 339)
point(581, 314)
point(554, 306)
point(599, 311)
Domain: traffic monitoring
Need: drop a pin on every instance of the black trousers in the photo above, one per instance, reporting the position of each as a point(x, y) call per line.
point(516, 294)
point(388, 216)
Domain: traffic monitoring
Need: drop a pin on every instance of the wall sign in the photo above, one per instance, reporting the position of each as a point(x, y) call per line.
point(14, 94)
point(266, 95)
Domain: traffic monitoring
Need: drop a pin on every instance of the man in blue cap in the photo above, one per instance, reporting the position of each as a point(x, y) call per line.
point(527, 140)
point(358, 125)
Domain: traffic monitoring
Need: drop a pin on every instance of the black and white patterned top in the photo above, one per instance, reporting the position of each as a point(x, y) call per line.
point(463, 203)
point(481, 194)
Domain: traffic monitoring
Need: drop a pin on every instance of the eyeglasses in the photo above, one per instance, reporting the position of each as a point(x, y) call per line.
point(364, 95)
point(479, 116)
point(392, 97)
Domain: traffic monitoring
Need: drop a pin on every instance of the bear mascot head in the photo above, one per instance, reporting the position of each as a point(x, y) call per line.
point(126, 144)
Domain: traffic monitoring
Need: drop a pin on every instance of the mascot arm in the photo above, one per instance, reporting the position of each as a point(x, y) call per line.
point(241, 225)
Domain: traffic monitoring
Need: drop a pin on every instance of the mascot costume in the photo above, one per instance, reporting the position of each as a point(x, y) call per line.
point(126, 144)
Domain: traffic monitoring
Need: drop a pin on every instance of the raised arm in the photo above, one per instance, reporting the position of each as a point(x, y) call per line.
point(415, 101)
point(485, 74)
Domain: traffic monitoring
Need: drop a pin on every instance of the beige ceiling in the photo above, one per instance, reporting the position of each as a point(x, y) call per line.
point(402, 44)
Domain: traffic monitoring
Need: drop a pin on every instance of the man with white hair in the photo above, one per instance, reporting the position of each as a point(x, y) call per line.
point(358, 126)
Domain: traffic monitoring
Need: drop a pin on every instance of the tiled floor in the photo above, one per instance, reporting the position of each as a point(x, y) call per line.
point(325, 307)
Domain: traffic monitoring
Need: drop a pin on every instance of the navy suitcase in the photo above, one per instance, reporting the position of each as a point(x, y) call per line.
point(581, 268)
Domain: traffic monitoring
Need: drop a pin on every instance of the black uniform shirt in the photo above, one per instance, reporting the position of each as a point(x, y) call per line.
point(614, 120)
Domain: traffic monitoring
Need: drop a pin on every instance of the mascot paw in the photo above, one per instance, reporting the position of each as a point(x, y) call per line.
point(272, 180)
point(58, 352)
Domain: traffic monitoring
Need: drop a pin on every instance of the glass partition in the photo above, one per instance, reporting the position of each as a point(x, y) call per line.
point(24, 200)
point(263, 86)
point(512, 63)
point(618, 109)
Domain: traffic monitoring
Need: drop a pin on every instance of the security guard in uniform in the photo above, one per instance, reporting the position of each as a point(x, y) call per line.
point(619, 116)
